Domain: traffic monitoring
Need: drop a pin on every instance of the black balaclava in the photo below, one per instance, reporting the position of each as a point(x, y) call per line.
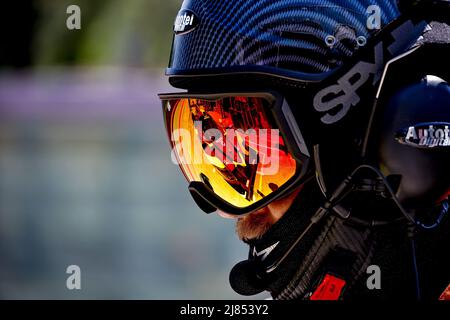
point(343, 249)
point(331, 246)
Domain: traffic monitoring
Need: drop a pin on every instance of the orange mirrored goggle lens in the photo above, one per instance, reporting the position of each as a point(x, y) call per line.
point(232, 145)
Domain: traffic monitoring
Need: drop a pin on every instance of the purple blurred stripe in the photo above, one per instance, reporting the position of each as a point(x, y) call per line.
point(73, 94)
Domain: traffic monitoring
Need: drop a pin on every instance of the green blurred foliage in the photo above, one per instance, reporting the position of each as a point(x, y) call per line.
point(134, 33)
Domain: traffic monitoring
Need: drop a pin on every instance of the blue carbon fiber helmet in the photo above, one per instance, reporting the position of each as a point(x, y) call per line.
point(325, 56)
point(305, 39)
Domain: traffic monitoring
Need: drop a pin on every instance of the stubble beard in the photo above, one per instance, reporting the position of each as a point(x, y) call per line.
point(254, 225)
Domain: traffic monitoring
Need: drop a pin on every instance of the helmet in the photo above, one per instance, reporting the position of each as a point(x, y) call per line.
point(324, 58)
point(306, 39)
point(324, 74)
point(412, 139)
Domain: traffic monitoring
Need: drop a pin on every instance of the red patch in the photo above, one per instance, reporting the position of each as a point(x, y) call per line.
point(329, 289)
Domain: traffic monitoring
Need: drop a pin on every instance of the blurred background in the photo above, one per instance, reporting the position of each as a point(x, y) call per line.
point(85, 171)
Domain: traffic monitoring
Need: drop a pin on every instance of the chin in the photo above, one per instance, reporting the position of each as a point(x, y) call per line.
point(254, 225)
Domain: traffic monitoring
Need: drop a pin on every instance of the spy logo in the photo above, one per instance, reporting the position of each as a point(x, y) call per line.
point(73, 282)
point(74, 20)
point(336, 100)
point(186, 21)
point(265, 253)
point(343, 94)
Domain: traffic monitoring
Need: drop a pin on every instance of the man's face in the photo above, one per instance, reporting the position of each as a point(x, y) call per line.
point(256, 224)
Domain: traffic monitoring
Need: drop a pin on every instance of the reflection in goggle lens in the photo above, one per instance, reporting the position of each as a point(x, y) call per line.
point(232, 145)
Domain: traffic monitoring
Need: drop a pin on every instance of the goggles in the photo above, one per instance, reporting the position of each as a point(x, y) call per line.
point(238, 151)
